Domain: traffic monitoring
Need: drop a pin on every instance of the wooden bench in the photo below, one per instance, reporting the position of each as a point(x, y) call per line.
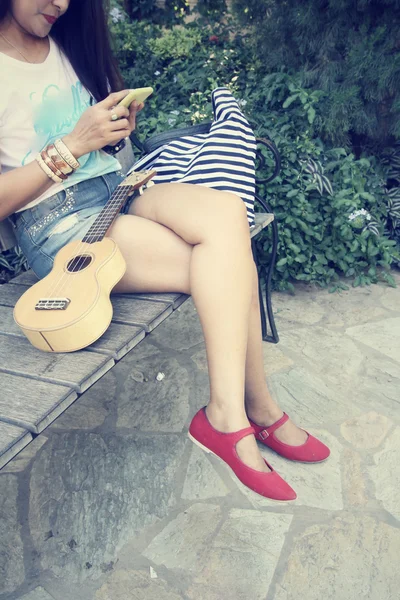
point(36, 387)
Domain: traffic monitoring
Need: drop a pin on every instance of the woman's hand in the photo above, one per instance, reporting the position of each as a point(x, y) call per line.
point(96, 128)
point(134, 109)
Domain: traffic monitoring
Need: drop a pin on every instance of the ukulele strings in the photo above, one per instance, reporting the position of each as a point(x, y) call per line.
point(107, 211)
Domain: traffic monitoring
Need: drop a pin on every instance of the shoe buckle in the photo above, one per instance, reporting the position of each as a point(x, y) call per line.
point(264, 434)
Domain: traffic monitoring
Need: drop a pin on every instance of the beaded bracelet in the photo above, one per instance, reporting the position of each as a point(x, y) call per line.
point(66, 154)
point(52, 166)
point(47, 170)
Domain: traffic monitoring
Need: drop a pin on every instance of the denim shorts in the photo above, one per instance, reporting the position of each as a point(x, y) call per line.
point(44, 229)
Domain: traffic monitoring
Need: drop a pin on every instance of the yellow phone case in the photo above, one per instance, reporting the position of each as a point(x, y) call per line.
point(139, 94)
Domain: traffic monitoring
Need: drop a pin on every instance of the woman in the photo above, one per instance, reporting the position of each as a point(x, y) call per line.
point(58, 109)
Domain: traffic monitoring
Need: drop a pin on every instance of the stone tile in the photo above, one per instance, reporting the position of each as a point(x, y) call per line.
point(136, 585)
point(274, 359)
point(391, 299)
point(353, 479)
point(308, 399)
point(351, 557)
point(325, 352)
point(286, 308)
point(317, 485)
point(184, 543)
point(152, 405)
point(91, 493)
point(90, 410)
point(240, 562)
point(383, 336)
point(12, 570)
point(38, 593)
point(356, 306)
point(202, 482)
point(386, 474)
point(21, 461)
point(200, 360)
point(381, 376)
point(367, 431)
point(182, 330)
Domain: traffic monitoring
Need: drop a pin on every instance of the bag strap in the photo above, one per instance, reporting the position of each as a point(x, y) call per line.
point(168, 136)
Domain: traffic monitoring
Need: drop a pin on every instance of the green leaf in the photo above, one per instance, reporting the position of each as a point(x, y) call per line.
point(327, 185)
point(295, 248)
point(319, 182)
point(367, 196)
point(311, 115)
point(289, 100)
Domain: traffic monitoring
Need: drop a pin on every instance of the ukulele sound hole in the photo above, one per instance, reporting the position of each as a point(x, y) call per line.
point(78, 263)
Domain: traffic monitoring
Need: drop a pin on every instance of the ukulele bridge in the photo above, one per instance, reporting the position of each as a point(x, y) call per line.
point(52, 304)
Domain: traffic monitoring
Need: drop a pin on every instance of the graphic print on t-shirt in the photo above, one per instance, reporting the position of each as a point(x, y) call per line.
point(55, 114)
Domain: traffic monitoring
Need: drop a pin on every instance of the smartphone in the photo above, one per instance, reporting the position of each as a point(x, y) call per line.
point(140, 94)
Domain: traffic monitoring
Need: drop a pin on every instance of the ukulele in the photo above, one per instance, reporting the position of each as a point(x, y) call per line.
point(70, 308)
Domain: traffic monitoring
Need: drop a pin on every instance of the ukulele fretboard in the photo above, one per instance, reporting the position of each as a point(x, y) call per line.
point(106, 217)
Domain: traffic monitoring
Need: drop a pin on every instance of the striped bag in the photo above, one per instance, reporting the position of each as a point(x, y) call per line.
point(223, 158)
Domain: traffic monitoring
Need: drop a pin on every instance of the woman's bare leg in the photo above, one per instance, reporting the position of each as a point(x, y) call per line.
point(159, 260)
point(220, 279)
point(260, 405)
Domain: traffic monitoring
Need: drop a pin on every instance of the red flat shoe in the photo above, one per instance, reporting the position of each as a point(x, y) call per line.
point(311, 451)
point(270, 485)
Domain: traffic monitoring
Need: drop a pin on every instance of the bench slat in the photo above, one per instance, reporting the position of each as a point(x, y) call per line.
point(146, 313)
point(77, 370)
point(25, 278)
point(129, 309)
point(9, 294)
point(262, 220)
point(12, 440)
point(115, 342)
point(118, 340)
point(176, 299)
point(32, 404)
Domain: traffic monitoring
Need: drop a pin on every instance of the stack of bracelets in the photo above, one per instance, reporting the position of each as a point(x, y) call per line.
point(57, 161)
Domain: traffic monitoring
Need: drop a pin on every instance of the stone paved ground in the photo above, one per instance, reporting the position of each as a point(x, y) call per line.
point(113, 502)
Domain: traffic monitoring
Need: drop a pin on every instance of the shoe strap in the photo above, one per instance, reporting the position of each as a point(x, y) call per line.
point(236, 436)
point(267, 431)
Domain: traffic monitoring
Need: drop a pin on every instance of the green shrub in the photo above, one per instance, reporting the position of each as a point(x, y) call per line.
point(348, 49)
point(319, 188)
point(12, 262)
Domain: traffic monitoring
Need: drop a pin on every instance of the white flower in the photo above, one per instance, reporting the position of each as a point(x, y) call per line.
point(117, 15)
point(358, 213)
point(157, 73)
point(242, 102)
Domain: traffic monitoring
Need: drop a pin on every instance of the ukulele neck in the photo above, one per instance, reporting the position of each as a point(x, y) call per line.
point(134, 181)
point(107, 216)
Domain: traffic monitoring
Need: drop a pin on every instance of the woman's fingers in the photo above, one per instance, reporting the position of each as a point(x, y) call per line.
point(132, 115)
point(113, 99)
point(120, 124)
point(133, 110)
point(120, 111)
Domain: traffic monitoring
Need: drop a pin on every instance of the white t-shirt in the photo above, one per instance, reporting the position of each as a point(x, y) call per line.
point(40, 103)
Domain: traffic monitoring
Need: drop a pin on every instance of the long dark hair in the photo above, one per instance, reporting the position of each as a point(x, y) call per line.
point(83, 35)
